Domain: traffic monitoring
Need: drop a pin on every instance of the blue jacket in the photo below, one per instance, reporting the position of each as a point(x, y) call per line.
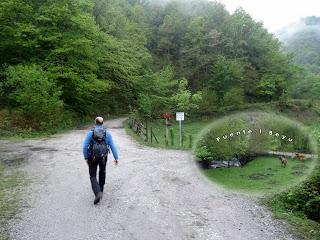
point(109, 142)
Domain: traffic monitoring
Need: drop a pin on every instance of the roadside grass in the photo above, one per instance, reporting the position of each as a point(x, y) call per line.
point(9, 197)
point(261, 175)
point(21, 134)
point(189, 128)
point(301, 226)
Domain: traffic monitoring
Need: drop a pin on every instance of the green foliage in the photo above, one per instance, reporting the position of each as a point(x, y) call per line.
point(234, 97)
point(228, 147)
point(304, 199)
point(17, 33)
point(145, 107)
point(30, 91)
point(270, 86)
point(94, 69)
point(227, 73)
point(160, 86)
point(303, 41)
point(208, 104)
point(240, 135)
point(110, 55)
point(182, 98)
point(203, 153)
point(307, 88)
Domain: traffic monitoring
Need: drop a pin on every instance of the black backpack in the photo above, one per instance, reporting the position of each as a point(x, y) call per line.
point(98, 147)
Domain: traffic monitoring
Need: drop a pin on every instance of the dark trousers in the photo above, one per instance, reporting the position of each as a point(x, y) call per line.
point(93, 165)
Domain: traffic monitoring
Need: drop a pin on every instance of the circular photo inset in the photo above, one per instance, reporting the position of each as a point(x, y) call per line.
point(256, 152)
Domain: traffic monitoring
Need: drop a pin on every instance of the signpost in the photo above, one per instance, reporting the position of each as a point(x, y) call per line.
point(180, 118)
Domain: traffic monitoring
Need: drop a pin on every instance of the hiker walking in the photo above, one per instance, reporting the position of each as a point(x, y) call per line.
point(95, 151)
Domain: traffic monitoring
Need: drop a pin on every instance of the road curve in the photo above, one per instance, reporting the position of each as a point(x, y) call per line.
point(152, 194)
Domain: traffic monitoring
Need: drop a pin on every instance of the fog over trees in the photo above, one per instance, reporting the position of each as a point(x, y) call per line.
point(75, 58)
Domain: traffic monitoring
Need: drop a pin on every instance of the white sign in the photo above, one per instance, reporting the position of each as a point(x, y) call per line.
point(180, 116)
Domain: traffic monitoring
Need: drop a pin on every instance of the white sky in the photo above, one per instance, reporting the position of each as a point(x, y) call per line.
point(276, 14)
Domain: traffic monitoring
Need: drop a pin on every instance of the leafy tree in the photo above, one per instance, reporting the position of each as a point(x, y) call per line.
point(234, 97)
point(226, 73)
point(107, 55)
point(184, 100)
point(208, 104)
point(144, 106)
point(307, 88)
point(270, 87)
point(30, 91)
point(160, 86)
point(303, 41)
point(17, 32)
point(220, 148)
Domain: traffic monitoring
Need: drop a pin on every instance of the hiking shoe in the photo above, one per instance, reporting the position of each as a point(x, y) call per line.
point(97, 198)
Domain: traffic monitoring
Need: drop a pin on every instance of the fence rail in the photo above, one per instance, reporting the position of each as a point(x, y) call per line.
point(148, 134)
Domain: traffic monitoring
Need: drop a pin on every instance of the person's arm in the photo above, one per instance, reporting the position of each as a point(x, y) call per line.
point(86, 144)
point(110, 143)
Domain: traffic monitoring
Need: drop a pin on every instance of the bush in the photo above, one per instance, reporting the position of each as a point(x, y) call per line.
point(303, 200)
point(208, 104)
point(34, 97)
point(234, 97)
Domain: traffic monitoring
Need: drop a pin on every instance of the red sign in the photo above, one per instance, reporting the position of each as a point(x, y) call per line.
point(167, 115)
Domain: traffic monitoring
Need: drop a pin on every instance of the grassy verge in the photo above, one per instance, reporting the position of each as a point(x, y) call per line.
point(10, 181)
point(303, 227)
point(21, 134)
point(189, 128)
point(261, 175)
point(283, 204)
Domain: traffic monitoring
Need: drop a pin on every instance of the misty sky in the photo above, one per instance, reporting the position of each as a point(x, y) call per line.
point(276, 14)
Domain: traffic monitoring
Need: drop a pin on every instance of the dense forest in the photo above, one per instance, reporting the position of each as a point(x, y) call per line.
point(66, 59)
point(302, 39)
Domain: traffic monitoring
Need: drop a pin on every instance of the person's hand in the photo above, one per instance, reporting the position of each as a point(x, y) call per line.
point(116, 162)
point(87, 162)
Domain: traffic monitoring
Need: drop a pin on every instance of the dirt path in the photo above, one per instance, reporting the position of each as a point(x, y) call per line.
point(152, 194)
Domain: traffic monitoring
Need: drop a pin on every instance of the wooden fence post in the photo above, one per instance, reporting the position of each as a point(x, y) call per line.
point(147, 138)
point(183, 139)
point(153, 135)
point(166, 140)
point(172, 137)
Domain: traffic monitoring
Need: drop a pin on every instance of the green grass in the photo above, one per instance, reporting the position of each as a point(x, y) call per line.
point(21, 134)
point(262, 175)
point(10, 181)
point(303, 227)
point(189, 128)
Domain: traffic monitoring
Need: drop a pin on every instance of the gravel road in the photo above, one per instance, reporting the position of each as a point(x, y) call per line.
point(152, 194)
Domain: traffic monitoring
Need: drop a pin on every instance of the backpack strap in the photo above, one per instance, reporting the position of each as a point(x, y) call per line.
point(105, 132)
point(93, 133)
